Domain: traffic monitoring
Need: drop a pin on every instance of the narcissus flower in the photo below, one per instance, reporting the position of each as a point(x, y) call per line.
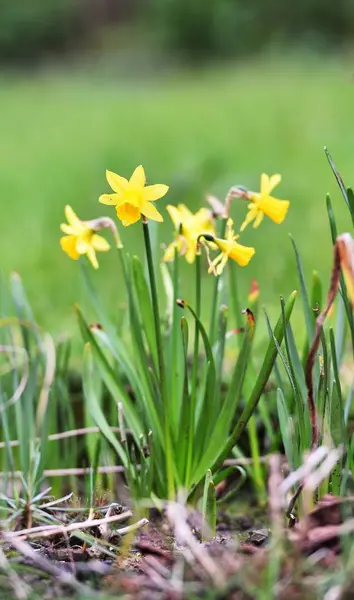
point(133, 198)
point(264, 204)
point(82, 238)
point(188, 226)
point(229, 249)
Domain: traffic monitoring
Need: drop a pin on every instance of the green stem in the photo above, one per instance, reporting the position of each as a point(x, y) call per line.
point(233, 287)
point(161, 362)
point(258, 477)
point(175, 368)
point(193, 401)
point(214, 306)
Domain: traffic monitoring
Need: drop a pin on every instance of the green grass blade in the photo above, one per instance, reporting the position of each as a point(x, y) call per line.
point(90, 384)
point(143, 300)
point(109, 377)
point(347, 197)
point(264, 373)
point(209, 508)
point(286, 425)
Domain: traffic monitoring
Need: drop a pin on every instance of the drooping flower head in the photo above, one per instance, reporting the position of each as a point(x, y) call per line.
point(133, 198)
point(188, 226)
point(82, 238)
point(264, 204)
point(230, 248)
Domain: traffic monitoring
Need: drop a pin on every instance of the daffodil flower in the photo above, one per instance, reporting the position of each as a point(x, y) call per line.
point(82, 238)
point(188, 226)
point(133, 198)
point(264, 204)
point(230, 248)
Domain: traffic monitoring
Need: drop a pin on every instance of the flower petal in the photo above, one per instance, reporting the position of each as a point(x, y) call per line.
point(99, 243)
point(154, 192)
point(111, 199)
point(150, 212)
point(118, 184)
point(67, 229)
point(175, 214)
point(138, 178)
point(274, 180)
point(82, 246)
point(258, 220)
point(222, 264)
point(73, 219)
point(252, 214)
point(128, 214)
point(169, 254)
point(191, 252)
point(91, 255)
point(68, 244)
point(265, 185)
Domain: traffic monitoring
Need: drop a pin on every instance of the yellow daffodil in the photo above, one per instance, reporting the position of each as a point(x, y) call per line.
point(133, 198)
point(264, 204)
point(230, 249)
point(189, 226)
point(82, 238)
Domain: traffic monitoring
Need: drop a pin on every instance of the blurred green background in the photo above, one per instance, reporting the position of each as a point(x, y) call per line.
point(204, 94)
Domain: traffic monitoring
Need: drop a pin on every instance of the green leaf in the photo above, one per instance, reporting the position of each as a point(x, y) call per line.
point(308, 314)
point(219, 429)
point(286, 425)
point(143, 300)
point(90, 386)
point(264, 373)
point(111, 381)
point(209, 509)
point(347, 194)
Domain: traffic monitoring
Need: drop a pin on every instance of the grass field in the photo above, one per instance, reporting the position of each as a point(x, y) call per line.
point(197, 131)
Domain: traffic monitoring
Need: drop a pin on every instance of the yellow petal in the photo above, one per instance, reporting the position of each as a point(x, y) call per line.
point(128, 214)
point(73, 219)
point(99, 243)
point(169, 254)
point(274, 209)
point(118, 184)
point(67, 229)
point(82, 246)
point(111, 199)
point(241, 254)
point(252, 213)
point(154, 192)
point(150, 212)
point(68, 244)
point(258, 219)
point(203, 220)
point(138, 178)
point(191, 252)
point(265, 185)
point(91, 255)
point(274, 180)
point(185, 212)
point(175, 214)
point(222, 263)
